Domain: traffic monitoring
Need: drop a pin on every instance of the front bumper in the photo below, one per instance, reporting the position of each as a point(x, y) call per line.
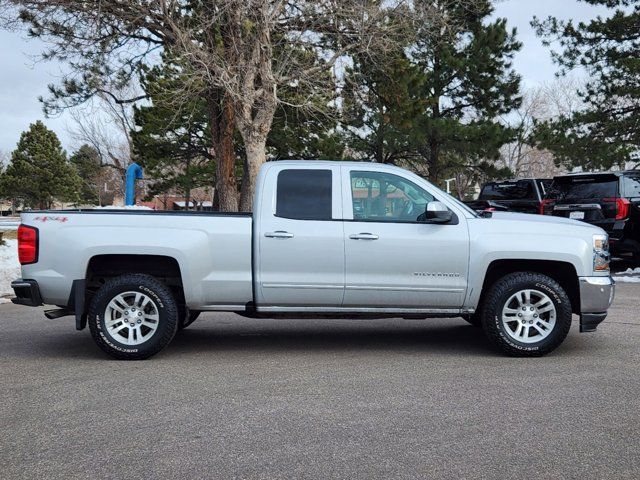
point(27, 293)
point(596, 296)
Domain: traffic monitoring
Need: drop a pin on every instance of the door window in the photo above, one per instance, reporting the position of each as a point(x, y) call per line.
point(304, 194)
point(384, 197)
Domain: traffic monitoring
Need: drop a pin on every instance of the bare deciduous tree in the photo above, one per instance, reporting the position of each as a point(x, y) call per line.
point(546, 102)
point(237, 53)
point(106, 124)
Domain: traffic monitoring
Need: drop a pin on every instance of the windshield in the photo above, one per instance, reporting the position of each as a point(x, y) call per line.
point(458, 202)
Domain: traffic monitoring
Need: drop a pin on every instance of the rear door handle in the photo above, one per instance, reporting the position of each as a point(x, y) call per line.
point(363, 236)
point(278, 234)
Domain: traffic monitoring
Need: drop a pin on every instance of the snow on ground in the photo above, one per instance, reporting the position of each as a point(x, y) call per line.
point(9, 267)
point(626, 279)
point(630, 275)
point(629, 271)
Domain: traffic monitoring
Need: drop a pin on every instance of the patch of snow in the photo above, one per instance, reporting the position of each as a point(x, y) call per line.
point(125, 207)
point(9, 266)
point(629, 271)
point(627, 279)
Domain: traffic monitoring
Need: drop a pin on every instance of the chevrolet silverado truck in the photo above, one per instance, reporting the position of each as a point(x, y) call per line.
point(326, 239)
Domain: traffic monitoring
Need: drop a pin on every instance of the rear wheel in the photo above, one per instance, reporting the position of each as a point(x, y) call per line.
point(526, 314)
point(133, 317)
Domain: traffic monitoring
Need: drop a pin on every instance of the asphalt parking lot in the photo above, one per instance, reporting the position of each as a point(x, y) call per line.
point(239, 398)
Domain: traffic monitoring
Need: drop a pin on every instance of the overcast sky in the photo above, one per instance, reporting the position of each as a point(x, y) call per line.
point(22, 80)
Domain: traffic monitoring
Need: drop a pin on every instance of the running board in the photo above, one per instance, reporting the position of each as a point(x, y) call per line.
point(58, 313)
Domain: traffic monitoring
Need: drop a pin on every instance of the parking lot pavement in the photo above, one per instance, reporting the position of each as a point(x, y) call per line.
point(239, 398)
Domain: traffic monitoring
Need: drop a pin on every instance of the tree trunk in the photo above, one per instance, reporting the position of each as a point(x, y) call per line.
point(187, 187)
point(434, 141)
point(222, 128)
point(433, 159)
point(255, 146)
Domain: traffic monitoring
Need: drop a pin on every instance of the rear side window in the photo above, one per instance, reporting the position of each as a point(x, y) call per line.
point(304, 194)
point(584, 188)
point(520, 190)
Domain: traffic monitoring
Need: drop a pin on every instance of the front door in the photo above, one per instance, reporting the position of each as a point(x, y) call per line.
point(393, 259)
point(300, 238)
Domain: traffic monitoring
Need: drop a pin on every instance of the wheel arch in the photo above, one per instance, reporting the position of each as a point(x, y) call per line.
point(162, 267)
point(562, 272)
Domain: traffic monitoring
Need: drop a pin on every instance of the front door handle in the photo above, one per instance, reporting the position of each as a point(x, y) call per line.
point(363, 236)
point(279, 234)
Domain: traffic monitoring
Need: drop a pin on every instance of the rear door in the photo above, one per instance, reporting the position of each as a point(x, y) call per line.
point(591, 198)
point(300, 237)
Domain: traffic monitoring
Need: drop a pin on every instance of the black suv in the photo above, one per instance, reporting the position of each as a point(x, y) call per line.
point(609, 200)
point(525, 196)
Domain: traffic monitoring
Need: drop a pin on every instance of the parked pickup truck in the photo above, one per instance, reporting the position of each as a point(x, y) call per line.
point(524, 196)
point(349, 240)
point(609, 200)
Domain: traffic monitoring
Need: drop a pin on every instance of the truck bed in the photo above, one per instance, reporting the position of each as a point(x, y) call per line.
point(213, 249)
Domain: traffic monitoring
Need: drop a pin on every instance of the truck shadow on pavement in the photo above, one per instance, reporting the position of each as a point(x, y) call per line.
point(295, 336)
point(450, 337)
point(279, 336)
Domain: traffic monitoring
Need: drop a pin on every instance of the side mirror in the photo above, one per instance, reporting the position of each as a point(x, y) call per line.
point(437, 212)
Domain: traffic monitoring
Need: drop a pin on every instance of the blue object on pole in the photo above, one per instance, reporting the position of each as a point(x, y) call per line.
point(134, 172)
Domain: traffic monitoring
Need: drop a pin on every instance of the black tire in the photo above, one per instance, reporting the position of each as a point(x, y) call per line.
point(502, 291)
point(187, 317)
point(473, 319)
point(163, 301)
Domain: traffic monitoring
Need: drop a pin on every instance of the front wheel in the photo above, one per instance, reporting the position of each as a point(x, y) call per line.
point(133, 317)
point(526, 314)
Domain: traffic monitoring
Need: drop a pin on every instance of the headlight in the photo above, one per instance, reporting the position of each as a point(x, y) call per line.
point(601, 255)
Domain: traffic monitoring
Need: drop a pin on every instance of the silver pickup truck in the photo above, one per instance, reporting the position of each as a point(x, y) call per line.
point(349, 240)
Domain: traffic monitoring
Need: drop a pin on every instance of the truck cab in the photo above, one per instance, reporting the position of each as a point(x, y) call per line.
point(332, 236)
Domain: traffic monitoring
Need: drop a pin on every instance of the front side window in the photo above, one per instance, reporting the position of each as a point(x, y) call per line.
point(384, 197)
point(304, 194)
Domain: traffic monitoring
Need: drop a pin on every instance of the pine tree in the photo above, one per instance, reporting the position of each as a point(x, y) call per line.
point(469, 83)
point(440, 97)
point(86, 160)
point(381, 105)
point(607, 131)
point(39, 172)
